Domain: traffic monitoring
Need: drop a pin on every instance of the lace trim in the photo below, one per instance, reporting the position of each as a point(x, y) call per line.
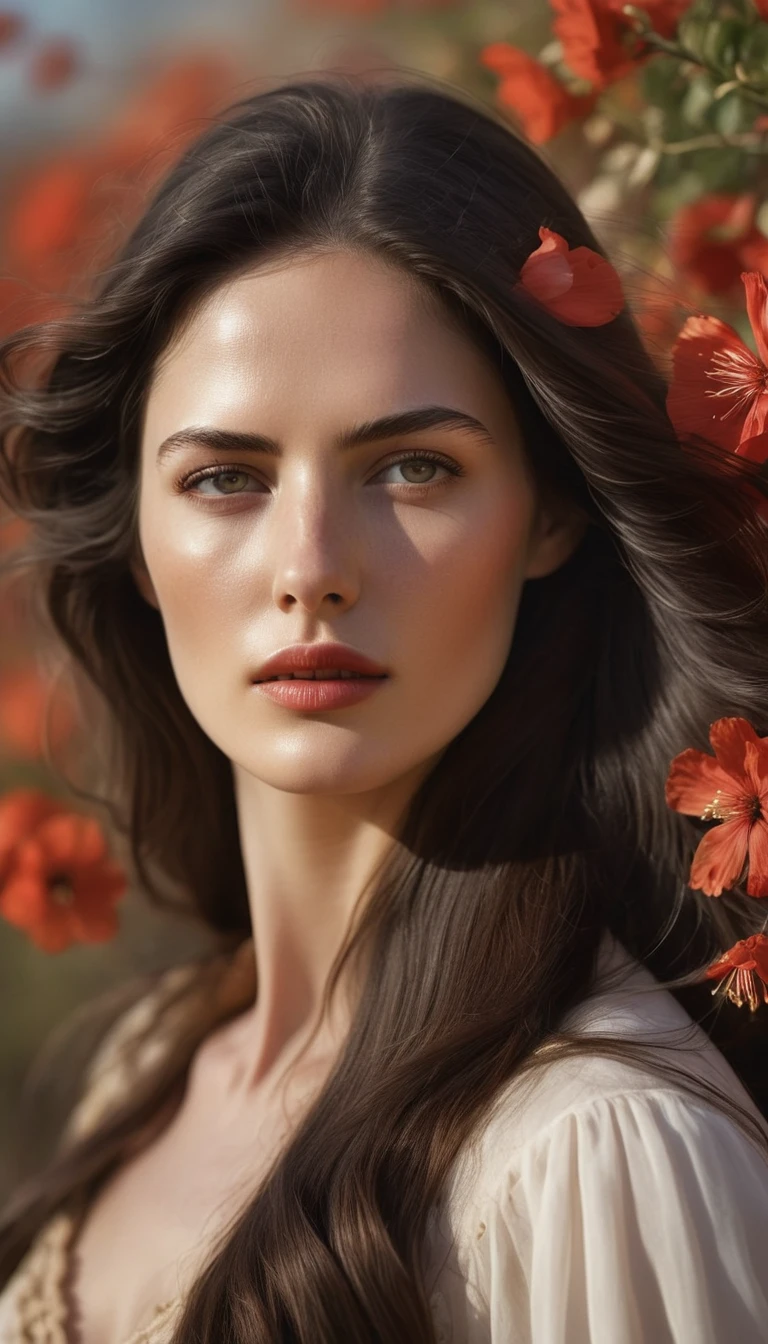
point(45, 1309)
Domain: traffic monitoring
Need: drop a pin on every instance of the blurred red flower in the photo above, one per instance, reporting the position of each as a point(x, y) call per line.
point(576, 285)
point(55, 63)
point(743, 972)
point(731, 788)
point(12, 25)
point(21, 812)
point(60, 886)
point(24, 696)
point(599, 41)
point(68, 212)
point(543, 105)
point(715, 238)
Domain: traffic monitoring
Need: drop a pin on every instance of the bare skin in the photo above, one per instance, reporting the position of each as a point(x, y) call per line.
point(419, 568)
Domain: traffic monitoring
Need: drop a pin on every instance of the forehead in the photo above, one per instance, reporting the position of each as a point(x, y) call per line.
point(332, 331)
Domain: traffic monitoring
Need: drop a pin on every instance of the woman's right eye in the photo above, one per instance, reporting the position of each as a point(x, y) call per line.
point(227, 476)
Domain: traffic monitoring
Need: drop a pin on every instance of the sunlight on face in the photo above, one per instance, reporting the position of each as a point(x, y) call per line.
point(417, 563)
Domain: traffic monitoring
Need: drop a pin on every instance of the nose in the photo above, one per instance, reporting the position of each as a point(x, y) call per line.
point(314, 549)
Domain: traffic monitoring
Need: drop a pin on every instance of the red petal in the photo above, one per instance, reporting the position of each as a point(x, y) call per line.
point(691, 405)
point(729, 738)
point(98, 887)
point(754, 449)
point(757, 882)
point(719, 860)
point(757, 310)
point(71, 840)
point(693, 783)
point(760, 955)
point(756, 768)
point(97, 928)
point(23, 901)
point(577, 285)
point(751, 954)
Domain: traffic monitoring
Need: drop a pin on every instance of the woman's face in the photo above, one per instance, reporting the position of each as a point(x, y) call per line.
point(416, 562)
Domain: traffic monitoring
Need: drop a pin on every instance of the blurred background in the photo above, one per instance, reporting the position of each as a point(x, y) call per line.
point(655, 119)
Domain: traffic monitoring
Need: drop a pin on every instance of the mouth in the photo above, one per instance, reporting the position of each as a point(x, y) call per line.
point(321, 674)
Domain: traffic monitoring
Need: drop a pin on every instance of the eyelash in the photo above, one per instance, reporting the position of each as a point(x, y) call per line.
point(185, 483)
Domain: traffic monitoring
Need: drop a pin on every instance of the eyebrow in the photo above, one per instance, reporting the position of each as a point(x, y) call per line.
point(370, 431)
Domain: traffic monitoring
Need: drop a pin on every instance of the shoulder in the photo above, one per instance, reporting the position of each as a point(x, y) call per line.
point(603, 1201)
point(186, 999)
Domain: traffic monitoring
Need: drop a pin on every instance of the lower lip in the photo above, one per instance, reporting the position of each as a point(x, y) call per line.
point(333, 693)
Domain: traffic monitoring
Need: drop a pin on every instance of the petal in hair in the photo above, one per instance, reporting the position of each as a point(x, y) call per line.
point(576, 285)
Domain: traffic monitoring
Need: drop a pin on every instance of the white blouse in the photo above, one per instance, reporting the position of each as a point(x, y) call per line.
point(602, 1205)
point(599, 1204)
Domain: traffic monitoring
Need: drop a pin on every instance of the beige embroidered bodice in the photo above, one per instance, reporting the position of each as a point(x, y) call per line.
point(42, 1290)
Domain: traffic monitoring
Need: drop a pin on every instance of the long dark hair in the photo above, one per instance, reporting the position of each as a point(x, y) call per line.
point(544, 822)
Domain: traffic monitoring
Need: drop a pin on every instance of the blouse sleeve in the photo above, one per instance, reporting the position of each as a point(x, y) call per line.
point(643, 1216)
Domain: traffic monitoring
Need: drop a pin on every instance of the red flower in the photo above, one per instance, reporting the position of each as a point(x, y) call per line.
point(576, 285)
point(599, 40)
point(743, 972)
point(715, 238)
point(21, 812)
point(54, 64)
point(718, 386)
point(543, 105)
point(59, 217)
point(731, 789)
point(25, 697)
point(61, 887)
point(12, 26)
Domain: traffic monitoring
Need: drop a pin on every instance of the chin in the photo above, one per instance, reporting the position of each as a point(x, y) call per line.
point(326, 772)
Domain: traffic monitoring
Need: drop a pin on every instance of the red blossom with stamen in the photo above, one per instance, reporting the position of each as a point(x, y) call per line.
point(60, 886)
point(742, 972)
point(719, 388)
point(576, 285)
point(732, 789)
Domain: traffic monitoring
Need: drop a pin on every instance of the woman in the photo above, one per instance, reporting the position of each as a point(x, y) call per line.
point(430, 1087)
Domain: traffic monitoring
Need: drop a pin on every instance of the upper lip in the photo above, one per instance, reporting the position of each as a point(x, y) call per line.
point(323, 657)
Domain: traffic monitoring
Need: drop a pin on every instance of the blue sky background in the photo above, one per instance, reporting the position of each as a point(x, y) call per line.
point(113, 34)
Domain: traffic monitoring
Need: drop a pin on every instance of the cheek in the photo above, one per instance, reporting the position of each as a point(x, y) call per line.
point(197, 575)
point(463, 621)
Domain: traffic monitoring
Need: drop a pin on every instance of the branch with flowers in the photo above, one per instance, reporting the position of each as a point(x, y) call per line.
point(673, 96)
point(730, 790)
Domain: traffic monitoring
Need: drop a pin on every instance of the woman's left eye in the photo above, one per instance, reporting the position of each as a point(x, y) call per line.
point(422, 463)
point(224, 479)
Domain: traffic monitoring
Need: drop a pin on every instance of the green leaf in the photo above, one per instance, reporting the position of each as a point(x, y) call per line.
point(699, 98)
point(731, 115)
point(714, 42)
point(753, 54)
point(661, 80)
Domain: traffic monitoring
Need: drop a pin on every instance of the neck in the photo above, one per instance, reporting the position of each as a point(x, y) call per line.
point(308, 859)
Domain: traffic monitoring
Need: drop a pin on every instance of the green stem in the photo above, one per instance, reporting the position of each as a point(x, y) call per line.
point(749, 91)
point(744, 140)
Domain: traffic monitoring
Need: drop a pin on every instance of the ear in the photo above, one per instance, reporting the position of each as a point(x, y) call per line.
point(143, 582)
point(557, 531)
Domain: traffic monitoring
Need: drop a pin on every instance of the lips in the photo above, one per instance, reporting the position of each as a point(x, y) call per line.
point(340, 674)
point(319, 662)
